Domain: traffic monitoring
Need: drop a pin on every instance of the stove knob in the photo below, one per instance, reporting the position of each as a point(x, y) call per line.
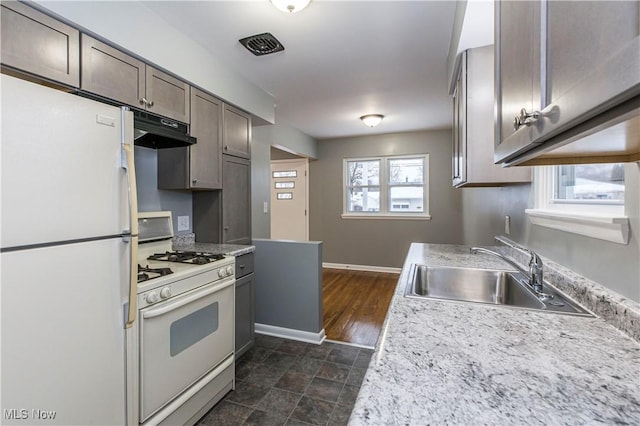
point(165, 293)
point(229, 270)
point(222, 273)
point(152, 297)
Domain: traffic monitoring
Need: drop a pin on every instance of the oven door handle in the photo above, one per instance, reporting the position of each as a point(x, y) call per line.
point(181, 301)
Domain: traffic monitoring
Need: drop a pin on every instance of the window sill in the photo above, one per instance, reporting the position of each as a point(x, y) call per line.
point(604, 227)
point(385, 216)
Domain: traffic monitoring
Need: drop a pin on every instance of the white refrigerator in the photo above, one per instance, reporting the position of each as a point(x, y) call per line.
point(68, 257)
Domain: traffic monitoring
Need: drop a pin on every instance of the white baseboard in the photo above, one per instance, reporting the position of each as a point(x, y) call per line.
point(290, 333)
point(387, 269)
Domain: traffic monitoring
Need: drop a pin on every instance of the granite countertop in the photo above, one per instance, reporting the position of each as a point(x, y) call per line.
point(186, 242)
point(439, 362)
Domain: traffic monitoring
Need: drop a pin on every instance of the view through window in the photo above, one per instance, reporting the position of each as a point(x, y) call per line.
point(386, 186)
point(589, 184)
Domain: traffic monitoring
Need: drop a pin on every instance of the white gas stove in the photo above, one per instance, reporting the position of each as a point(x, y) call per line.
point(186, 328)
point(159, 265)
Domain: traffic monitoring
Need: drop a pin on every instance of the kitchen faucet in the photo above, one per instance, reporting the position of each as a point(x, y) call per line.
point(535, 267)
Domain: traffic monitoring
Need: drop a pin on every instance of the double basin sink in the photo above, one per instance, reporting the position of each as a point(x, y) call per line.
point(494, 287)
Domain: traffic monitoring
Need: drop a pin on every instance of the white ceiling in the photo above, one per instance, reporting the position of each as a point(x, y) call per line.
point(342, 59)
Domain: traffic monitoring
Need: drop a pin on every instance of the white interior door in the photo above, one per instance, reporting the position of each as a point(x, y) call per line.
point(289, 199)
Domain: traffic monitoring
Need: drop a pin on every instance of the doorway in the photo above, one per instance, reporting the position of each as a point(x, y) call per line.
point(289, 199)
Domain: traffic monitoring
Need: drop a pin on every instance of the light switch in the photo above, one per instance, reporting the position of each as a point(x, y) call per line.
point(183, 223)
point(266, 207)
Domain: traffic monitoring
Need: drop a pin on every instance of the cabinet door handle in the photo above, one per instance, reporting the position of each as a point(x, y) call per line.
point(226, 147)
point(525, 118)
point(147, 102)
point(194, 181)
point(226, 228)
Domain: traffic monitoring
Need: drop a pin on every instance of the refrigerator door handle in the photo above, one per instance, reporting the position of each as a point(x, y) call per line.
point(133, 284)
point(133, 194)
point(129, 166)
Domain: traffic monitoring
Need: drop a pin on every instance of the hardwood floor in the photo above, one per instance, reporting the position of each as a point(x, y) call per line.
point(355, 304)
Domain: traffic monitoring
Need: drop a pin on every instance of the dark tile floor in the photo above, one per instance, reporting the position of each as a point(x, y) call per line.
point(285, 382)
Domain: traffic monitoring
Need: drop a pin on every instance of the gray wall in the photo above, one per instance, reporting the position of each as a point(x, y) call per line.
point(382, 242)
point(615, 266)
point(288, 288)
point(150, 198)
point(484, 211)
point(262, 139)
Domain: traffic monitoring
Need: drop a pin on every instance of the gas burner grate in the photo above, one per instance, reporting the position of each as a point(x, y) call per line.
point(146, 273)
point(192, 257)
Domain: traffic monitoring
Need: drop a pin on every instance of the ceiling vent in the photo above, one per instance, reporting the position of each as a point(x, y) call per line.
point(262, 44)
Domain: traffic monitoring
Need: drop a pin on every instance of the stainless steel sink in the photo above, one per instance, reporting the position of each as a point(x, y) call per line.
point(506, 288)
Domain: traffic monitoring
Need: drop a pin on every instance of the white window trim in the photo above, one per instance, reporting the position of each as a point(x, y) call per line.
point(384, 189)
point(605, 222)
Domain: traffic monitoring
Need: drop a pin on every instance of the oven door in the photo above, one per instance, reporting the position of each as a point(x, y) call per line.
point(181, 340)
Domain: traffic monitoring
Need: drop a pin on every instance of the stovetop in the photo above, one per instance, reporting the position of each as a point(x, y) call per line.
point(164, 272)
point(192, 257)
point(160, 266)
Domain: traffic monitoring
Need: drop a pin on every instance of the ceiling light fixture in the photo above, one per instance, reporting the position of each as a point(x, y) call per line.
point(372, 120)
point(290, 6)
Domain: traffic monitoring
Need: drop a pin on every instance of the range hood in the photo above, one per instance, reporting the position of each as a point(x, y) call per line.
point(157, 132)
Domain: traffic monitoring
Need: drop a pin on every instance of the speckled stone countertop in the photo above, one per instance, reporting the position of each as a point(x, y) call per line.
point(440, 362)
point(187, 242)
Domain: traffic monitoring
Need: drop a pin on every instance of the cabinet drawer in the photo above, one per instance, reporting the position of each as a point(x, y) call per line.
point(38, 44)
point(244, 265)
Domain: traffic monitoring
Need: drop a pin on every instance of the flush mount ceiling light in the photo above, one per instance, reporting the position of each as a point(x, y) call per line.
point(290, 6)
point(372, 120)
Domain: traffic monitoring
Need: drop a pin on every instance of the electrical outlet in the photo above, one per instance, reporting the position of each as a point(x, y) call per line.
point(507, 225)
point(183, 223)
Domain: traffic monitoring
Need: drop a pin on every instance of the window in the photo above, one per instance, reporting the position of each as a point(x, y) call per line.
point(386, 187)
point(592, 184)
point(586, 199)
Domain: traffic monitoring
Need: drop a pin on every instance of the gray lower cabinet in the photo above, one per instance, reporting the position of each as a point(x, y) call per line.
point(566, 70)
point(236, 200)
point(473, 133)
point(198, 166)
point(245, 311)
point(112, 74)
point(236, 132)
point(39, 45)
